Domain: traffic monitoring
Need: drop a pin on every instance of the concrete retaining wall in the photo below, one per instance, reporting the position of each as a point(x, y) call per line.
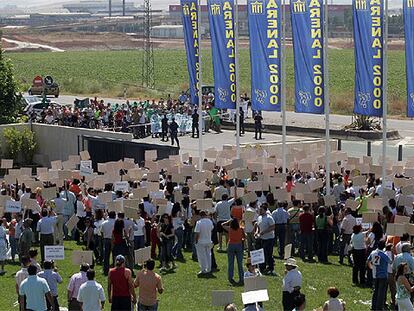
point(58, 142)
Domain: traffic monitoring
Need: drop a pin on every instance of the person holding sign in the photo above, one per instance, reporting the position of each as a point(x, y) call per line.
point(46, 227)
point(234, 248)
point(265, 235)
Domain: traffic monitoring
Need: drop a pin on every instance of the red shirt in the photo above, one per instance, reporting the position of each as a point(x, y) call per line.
point(120, 286)
point(306, 222)
point(117, 238)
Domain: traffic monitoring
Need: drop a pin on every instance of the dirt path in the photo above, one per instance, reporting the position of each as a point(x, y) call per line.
point(21, 45)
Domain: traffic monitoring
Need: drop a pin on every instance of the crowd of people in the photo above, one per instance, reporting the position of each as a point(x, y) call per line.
point(232, 225)
point(163, 118)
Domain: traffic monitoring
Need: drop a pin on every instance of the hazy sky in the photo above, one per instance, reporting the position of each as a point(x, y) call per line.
point(157, 4)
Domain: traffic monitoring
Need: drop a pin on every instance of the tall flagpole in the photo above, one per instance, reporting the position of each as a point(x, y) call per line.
point(283, 107)
point(236, 51)
point(326, 101)
point(385, 95)
point(200, 93)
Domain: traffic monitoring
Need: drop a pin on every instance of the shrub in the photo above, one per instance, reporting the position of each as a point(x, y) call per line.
point(20, 144)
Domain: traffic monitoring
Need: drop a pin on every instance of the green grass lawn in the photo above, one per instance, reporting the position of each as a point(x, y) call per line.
point(107, 73)
point(184, 291)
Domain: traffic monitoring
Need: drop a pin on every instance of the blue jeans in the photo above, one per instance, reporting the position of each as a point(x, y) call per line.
point(166, 251)
point(306, 243)
point(65, 229)
point(235, 250)
point(139, 242)
point(280, 233)
point(107, 255)
point(267, 246)
point(13, 246)
point(379, 295)
point(294, 236)
point(141, 307)
point(178, 246)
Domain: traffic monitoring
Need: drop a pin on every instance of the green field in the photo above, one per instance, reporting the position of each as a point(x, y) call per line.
point(184, 291)
point(108, 73)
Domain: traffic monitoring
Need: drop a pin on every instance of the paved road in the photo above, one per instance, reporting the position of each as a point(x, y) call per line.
point(405, 127)
point(357, 148)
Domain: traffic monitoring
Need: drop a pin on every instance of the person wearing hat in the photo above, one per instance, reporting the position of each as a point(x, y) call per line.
point(121, 286)
point(292, 283)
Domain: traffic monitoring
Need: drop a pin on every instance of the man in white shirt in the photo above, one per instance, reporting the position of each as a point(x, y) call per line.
point(338, 189)
point(149, 208)
point(129, 233)
point(202, 231)
point(91, 294)
point(46, 229)
point(223, 211)
point(292, 283)
point(106, 229)
point(347, 226)
point(60, 204)
point(22, 274)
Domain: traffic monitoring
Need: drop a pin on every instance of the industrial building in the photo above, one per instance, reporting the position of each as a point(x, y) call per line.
point(338, 15)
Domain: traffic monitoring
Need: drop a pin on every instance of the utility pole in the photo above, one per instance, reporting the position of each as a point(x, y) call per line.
point(110, 8)
point(148, 79)
point(123, 7)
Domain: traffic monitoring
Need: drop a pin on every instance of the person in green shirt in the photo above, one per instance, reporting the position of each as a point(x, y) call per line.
point(214, 114)
point(362, 201)
point(321, 226)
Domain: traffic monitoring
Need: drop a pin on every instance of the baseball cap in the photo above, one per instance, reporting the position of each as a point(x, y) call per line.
point(120, 259)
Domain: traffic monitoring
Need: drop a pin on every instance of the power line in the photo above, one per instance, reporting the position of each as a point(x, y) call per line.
point(148, 79)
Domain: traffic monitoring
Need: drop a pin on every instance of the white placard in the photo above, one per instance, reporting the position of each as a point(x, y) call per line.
point(86, 168)
point(13, 206)
point(121, 186)
point(257, 257)
point(255, 296)
point(55, 252)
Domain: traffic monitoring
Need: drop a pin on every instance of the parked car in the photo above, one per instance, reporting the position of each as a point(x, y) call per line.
point(38, 107)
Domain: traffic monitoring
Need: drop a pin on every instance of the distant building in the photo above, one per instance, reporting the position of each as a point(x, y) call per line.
point(101, 7)
point(168, 31)
point(337, 13)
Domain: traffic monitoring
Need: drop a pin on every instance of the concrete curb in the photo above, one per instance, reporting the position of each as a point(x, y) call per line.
point(318, 132)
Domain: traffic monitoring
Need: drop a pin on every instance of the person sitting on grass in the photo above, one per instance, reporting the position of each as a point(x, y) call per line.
point(334, 303)
point(252, 270)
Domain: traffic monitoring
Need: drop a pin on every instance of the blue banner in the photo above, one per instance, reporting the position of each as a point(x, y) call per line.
point(307, 32)
point(191, 36)
point(409, 53)
point(368, 36)
point(265, 54)
point(222, 32)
